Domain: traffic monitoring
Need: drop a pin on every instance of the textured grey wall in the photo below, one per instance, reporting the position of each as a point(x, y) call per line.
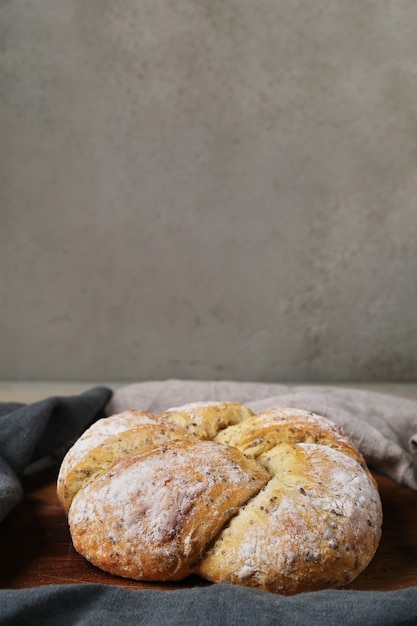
point(208, 189)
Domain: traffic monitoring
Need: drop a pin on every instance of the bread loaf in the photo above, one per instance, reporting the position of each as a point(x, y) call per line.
point(281, 501)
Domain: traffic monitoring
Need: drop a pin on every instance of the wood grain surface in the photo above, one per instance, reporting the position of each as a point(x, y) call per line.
point(36, 546)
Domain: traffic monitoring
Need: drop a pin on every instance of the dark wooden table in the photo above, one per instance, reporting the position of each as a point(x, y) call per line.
point(36, 546)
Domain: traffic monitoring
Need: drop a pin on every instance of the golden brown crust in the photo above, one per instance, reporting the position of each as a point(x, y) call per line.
point(314, 525)
point(259, 433)
point(207, 419)
point(151, 516)
point(281, 501)
point(109, 439)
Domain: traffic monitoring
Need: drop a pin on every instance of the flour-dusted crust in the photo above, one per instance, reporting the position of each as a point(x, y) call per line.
point(151, 516)
point(281, 501)
point(314, 525)
point(107, 440)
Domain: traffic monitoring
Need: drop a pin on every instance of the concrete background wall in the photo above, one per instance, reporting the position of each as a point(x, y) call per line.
point(208, 189)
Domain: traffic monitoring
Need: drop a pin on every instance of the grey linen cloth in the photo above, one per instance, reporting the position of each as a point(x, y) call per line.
point(383, 426)
point(216, 605)
point(37, 435)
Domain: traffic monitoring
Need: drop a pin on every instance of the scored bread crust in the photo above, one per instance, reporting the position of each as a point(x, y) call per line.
point(106, 441)
point(166, 499)
point(281, 501)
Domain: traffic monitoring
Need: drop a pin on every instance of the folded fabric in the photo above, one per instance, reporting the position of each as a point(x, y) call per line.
point(383, 427)
point(36, 435)
point(95, 605)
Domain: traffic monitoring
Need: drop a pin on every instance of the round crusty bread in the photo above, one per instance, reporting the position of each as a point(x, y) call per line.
point(281, 501)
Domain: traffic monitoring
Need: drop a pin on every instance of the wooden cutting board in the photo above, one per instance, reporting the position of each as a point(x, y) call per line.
point(36, 546)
